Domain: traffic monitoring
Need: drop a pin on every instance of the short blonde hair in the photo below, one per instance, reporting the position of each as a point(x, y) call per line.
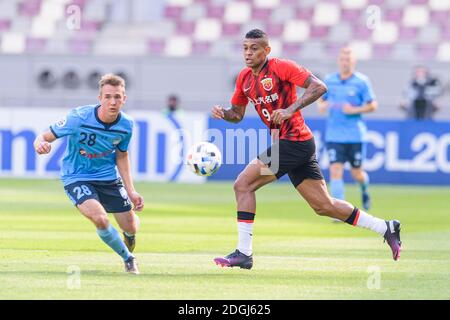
point(112, 80)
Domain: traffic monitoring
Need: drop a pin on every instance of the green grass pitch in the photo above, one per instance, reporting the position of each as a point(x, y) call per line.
point(49, 251)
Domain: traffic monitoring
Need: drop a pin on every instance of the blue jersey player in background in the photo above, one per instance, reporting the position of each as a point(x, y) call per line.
point(349, 96)
point(96, 168)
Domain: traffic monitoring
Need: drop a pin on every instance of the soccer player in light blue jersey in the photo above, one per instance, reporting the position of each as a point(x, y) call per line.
point(349, 96)
point(96, 168)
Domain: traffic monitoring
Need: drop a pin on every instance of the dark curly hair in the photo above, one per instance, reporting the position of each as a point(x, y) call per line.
point(256, 34)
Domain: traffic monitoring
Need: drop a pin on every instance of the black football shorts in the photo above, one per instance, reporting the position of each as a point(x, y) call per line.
point(354, 153)
point(296, 158)
point(111, 194)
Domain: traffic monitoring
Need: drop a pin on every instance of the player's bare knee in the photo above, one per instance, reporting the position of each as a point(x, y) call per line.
point(132, 228)
point(137, 223)
point(100, 221)
point(357, 174)
point(241, 186)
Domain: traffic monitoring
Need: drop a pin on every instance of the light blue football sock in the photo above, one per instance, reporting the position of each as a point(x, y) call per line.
point(365, 184)
point(112, 238)
point(337, 189)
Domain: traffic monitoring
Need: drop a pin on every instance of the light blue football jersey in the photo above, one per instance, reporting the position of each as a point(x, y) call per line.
point(91, 144)
point(357, 91)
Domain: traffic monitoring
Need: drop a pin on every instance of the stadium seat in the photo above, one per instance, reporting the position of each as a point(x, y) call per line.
point(416, 16)
point(443, 53)
point(354, 4)
point(313, 50)
point(237, 12)
point(261, 14)
point(291, 50)
point(304, 14)
point(274, 29)
point(362, 49)
point(326, 14)
point(386, 32)
point(398, 4)
point(8, 9)
point(156, 46)
point(200, 48)
point(29, 8)
point(296, 31)
point(407, 34)
point(193, 13)
point(419, 1)
point(319, 32)
point(404, 51)
point(215, 11)
point(13, 43)
point(430, 34)
point(225, 47)
point(440, 17)
point(43, 27)
point(394, 15)
point(4, 25)
point(185, 28)
point(341, 32)
point(172, 12)
point(445, 33)
point(351, 15)
point(207, 30)
point(281, 14)
point(376, 2)
point(302, 4)
point(269, 4)
point(381, 51)
point(181, 3)
point(95, 11)
point(231, 29)
point(35, 45)
point(178, 46)
point(361, 32)
point(439, 5)
point(426, 52)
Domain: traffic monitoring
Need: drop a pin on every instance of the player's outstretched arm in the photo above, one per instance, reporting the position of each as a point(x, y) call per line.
point(367, 108)
point(123, 165)
point(42, 143)
point(235, 114)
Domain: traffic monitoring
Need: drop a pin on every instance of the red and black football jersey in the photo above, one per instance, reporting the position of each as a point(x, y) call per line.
point(274, 88)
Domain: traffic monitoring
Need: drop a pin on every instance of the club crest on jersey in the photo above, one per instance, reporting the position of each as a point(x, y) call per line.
point(62, 122)
point(267, 84)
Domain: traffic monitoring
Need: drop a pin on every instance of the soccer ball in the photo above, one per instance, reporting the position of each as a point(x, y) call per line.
point(204, 159)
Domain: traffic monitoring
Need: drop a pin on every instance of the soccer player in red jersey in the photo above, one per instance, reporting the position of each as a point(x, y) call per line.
point(270, 85)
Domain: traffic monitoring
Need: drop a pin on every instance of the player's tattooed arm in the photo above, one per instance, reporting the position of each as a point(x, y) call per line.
point(315, 88)
point(235, 114)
